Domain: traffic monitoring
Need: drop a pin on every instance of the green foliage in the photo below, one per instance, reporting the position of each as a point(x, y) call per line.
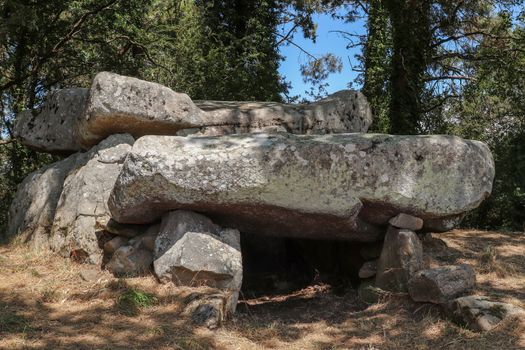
point(217, 50)
point(492, 109)
point(377, 65)
point(132, 301)
point(13, 323)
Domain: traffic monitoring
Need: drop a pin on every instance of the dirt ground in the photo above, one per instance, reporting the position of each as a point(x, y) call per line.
point(48, 302)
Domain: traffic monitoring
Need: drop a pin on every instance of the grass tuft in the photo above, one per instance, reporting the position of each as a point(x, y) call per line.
point(132, 301)
point(13, 323)
point(489, 262)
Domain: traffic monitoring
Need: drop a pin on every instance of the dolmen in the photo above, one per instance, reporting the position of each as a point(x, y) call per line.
point(153, 181)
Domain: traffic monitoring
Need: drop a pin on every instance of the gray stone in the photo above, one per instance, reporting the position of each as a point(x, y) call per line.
point(176, 223)
point(190, 250)
point(369, 269)
point(481, 314)
point(52, 128)
point(82, 213)
point(443, 224)
point(323, 186)
point(442, 284)
point(148, 238)
point(120, 104)
point(130, 261)
point(112, 245)
point(344, 111)
point(406, 221)
point(209, 310)
point(401, 258)
point(124, 230)
point(33, 209)
point(90, 274)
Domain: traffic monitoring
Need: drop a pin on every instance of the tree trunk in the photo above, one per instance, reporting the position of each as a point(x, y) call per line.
point(411, 39)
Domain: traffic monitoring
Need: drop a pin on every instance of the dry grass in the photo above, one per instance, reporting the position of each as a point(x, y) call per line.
point(47, 303)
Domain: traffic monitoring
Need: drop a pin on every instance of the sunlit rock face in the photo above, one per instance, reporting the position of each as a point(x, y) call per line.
point(342, 186)
point(76, 118)
point(52, 127)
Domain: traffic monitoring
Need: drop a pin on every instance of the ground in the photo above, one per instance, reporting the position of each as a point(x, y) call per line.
point(48, 302)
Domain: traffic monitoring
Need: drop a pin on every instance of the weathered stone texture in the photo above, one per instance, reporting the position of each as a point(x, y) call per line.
point(120, 104)
point(52, 128)
point(82, 213)
point(442, 284)
point(191, 250)
point(327, 186)
point(344, 111)
point(401, 258)
point(481, 314)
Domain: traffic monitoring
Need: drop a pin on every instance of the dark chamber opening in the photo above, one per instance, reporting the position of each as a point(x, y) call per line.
point(274, 265)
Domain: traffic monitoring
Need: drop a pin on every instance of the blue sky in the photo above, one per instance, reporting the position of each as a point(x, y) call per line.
point(327, 42)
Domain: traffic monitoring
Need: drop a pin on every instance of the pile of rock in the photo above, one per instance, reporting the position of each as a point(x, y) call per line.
point(156, 163)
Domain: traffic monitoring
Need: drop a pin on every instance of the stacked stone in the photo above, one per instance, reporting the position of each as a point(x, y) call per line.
point(155, 180)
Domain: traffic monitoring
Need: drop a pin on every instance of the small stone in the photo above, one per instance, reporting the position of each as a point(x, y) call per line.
point(130, 261)
point(406, 221)
point(209, 310)
point(401, 258)
point(148, 239)
point(479, 313)
point(368, 269)
point(111, 246)
point(442, 284)
point(90, 275)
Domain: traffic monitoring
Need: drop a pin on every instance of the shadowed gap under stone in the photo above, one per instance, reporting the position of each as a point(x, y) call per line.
point(274, 265)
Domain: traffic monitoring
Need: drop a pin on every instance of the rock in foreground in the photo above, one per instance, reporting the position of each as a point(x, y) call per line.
point(192, 250)
point(442, 284)
point(481, 314)
point(327, 186)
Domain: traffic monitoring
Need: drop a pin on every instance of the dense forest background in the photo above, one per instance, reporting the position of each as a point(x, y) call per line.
point(450, 67)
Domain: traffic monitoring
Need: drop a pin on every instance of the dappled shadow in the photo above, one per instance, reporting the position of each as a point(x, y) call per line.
point(33, 324)
point(89, 315)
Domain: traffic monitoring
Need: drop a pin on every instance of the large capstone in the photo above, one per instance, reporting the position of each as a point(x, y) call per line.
point(120, 104)
point(344, 111)
point(74, 119)
point(340, 186)
point(52, 127)
point(82, 212)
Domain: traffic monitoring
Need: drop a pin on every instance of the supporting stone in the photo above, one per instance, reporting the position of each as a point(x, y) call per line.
point(401, 258)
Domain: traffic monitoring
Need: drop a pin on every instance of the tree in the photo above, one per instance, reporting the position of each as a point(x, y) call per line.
point(49, 44)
